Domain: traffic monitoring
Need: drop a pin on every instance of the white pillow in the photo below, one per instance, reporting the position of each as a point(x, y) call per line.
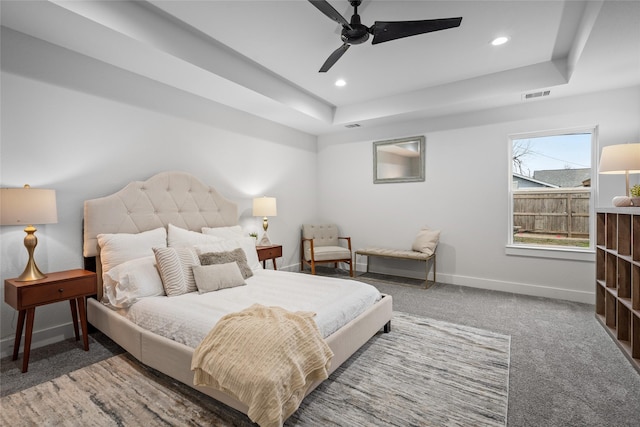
point(128, 282)
point(217, 276)
point(179, 237)
point(118, 248)
point(426, 241)
point(175, 269)
point(233, 232)
point(247, 244)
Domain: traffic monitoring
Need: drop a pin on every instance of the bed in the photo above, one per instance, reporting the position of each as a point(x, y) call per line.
point(191, 213)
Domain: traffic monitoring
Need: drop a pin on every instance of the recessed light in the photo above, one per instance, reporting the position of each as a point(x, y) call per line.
point(499, 40)
point(340, 82)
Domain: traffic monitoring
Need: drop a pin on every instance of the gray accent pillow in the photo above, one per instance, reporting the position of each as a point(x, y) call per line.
point(237, 255)
point(217, 276)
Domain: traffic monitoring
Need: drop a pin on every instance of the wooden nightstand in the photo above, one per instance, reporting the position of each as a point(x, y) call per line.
point(269, 252)
point(71, 285)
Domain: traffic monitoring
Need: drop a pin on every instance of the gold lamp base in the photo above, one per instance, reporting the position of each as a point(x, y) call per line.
point(31, 271)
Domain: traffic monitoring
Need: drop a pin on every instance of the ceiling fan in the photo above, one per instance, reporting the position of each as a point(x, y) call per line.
point(355, 32)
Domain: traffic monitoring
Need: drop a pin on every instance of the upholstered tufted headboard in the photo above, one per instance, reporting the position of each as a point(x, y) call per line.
point(175, 198)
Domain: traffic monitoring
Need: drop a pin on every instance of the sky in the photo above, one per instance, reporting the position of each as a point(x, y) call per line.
point(555, 152)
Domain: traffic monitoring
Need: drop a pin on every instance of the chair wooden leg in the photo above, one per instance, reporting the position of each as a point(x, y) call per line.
point(313, 267)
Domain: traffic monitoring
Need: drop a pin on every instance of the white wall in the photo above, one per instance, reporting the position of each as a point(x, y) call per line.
point(465, 192)
point(55, 134)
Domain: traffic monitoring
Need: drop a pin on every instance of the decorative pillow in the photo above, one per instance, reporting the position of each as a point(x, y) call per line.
point(175, 269)
point(237, 255)
point(118, 248)
point(233, 232)
point(128, 282)
point(247, 244)
point(426, 241)
point(179, 237)
point(217, 276)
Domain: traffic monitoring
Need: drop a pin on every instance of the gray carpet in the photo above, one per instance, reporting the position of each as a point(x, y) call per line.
point(565, 369)
point(425, 372)
point(51, 361)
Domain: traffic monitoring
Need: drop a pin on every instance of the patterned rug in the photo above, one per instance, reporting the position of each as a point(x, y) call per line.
point(424, 373)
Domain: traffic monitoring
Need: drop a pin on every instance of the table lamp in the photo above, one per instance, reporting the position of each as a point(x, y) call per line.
point(265, 207)
point(620, 159)
point(28, 206)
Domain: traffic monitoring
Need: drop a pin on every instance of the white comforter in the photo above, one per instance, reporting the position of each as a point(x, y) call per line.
point(188, 318)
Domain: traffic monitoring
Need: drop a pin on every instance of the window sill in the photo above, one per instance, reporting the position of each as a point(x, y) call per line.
point(587, 255)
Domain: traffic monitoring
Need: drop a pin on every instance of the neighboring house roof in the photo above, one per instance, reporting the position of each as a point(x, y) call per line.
point(564, 177)
point(528, 182)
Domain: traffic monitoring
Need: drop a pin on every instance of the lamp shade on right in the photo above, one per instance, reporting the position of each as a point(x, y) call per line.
point(620, 159)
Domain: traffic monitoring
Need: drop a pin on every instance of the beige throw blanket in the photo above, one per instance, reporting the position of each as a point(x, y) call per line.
point(266, 357)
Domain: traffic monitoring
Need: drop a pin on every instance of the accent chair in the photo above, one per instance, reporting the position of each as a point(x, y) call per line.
point(320, 243)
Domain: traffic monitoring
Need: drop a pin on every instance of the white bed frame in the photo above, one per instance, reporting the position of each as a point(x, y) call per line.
point(182, 200)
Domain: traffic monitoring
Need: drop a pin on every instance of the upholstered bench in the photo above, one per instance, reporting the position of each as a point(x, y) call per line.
point(402, 254)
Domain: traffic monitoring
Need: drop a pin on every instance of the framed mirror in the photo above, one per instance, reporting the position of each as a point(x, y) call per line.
point(399, 160)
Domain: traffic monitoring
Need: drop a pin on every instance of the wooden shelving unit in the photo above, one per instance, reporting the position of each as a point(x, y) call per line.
point(618, 277)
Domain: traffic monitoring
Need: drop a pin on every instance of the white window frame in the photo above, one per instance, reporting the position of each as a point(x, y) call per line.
point(568, 253)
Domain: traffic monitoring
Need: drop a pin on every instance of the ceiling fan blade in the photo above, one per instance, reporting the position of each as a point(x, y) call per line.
point(333, 58)
point(387, 31)
point(329, 11)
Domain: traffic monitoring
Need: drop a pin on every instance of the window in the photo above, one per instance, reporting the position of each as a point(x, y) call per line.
point(550, 191)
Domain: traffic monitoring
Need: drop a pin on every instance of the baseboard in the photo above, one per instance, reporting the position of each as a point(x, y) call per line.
point(495, 285)
point(520, 288)
point(38, 339)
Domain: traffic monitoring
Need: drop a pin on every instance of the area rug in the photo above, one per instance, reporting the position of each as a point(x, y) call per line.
point(423, 373)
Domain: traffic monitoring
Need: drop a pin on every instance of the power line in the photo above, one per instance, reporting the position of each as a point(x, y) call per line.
point(560, 160)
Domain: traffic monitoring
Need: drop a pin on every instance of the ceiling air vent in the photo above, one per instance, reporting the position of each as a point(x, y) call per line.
point(353, 125)
point(534, 95)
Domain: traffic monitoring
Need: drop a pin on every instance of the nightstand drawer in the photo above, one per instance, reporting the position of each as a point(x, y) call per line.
point(59, 291)
point(270, 253)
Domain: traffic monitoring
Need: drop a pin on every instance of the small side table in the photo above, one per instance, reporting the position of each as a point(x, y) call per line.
point(71, 285)
point(269, 252)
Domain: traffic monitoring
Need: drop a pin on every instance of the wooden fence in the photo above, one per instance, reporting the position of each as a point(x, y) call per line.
point(560, 211)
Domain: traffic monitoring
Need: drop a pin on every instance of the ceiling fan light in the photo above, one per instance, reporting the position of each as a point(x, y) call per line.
point(499, 40)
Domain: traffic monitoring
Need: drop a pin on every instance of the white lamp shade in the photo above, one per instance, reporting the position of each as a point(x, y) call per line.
point(265, 206)
point(28, 206)
point(620, 159)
